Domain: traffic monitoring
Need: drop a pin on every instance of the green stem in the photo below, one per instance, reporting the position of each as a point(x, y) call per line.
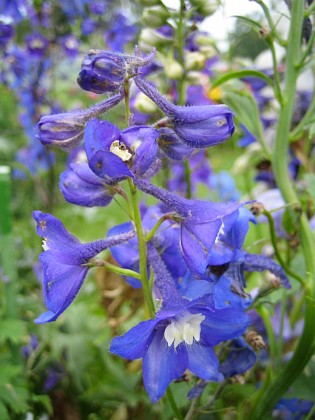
point(274, 241)
point(275, 34)
point(309, 10)
point(278, 93)
point(114, 268)
point(266, 398)
point(187, 178)
point(173, 404)
point(127, 102)
point(181, 46)
point(301, 127)
point(142, 250)
point(308, 49)
point(161, 220)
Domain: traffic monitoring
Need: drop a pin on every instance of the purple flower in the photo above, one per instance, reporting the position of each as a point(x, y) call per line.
point(70, 45)
point(6, 33)
point(114, 155)
point(201, 224)
point(180, 337)
point(104, 71)
point(66, 130)
point(80, 186)
point(64, 262)
point(197, 126)
point(119, 33)
point(37, 44)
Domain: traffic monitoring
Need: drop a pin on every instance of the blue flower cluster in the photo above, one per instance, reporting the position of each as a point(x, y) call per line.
point(194, 248)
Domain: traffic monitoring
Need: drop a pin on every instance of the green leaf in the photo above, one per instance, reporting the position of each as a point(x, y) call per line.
point(250, 22)
point(246, 109)
point(12, 329)
point(291, 220)
point(310, 183)
point(4, 415)
point(240, 74)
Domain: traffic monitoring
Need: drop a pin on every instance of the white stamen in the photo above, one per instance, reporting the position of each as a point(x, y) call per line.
point(120, 150)
point(44, 245)
point(184, 328)
point(221, 232)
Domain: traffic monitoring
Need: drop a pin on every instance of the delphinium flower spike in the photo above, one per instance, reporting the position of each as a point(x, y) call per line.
point(64, 262)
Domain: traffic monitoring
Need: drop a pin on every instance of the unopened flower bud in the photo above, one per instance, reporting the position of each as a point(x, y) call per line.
point(257, 208)
point(255, 340)
point(195, 60)
point(155, 16)
point(205, 7)
point(150, 38)
point(144, 104)
point(66, 130)
point(104, 71)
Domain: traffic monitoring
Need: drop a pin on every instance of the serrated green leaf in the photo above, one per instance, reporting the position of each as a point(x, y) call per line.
point(15, 397)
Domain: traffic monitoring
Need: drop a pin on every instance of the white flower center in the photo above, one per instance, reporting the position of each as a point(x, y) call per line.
point(221, 232)
point(184, 328)
point(120, 150)
point(44, 245)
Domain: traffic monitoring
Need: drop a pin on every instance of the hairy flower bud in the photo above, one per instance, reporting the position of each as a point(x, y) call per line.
point(104, 71)
point(155, 16)
point(197, 126)
point(66, 130)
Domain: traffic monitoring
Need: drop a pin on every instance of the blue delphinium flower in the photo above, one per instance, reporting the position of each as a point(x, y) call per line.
point(201, 224)
point(114, 155)
point(64, 262)
point(181, 336)
point(197, 126)
point(120, 32)
point(79, 185)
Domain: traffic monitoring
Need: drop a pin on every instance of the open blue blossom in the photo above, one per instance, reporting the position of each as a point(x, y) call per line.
point(201, 224)
point(80, 186)
point(66, 130)
point(64, 262)
point(181, 336)
point(114, 155)
point(197, 126)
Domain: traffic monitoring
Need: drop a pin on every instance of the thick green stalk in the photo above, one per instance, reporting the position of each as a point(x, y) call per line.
point(265, 400)
point(142, 250)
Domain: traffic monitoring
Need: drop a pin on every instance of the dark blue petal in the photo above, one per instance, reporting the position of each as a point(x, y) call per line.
point(203, 362)
point(99, 135)
point(162, 365)
point(134, 344)
point(110, 167)
point(222, 325)
point(240, 358)
point(80, 186)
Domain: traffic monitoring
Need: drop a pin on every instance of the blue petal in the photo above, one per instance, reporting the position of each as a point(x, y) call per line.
point(241, 358)
point(162, 365)
point(110, 167)
point(203, 362)
point(222, 325)
point(135, 342)
point(61, 282)
point(99, 135)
